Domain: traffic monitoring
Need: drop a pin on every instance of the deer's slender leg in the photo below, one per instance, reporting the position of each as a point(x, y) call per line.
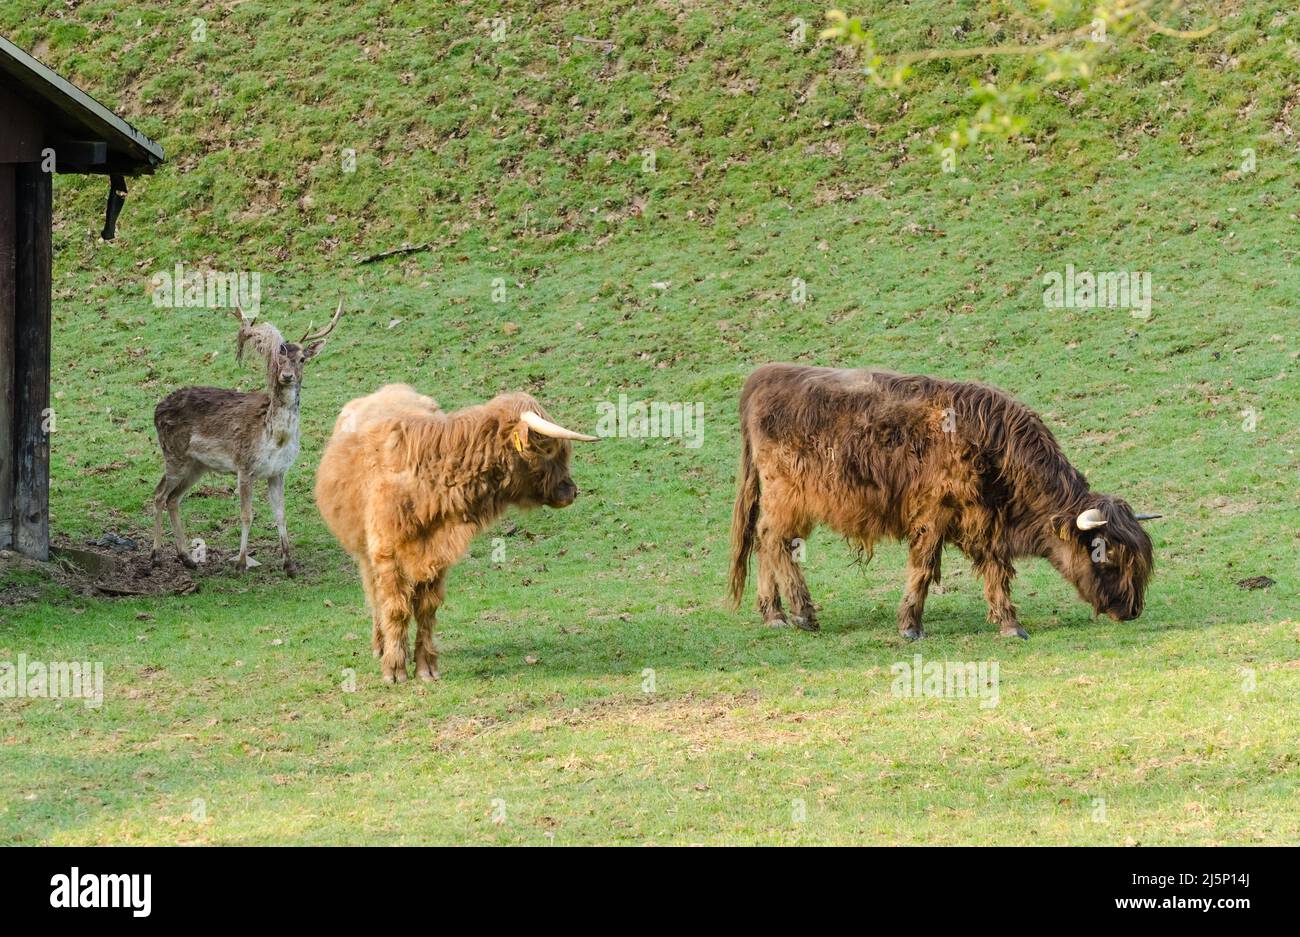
point(368, 584)
point(428, 596)
point(275, 494)
point(394, 594)
point(170, 491)
point(159, 505)
point(245, 518)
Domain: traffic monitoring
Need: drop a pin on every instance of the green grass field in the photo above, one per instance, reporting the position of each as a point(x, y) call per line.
point(525, 161)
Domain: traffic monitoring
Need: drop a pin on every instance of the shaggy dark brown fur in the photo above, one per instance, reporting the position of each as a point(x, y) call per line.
point(405, 487)
point(877, 455)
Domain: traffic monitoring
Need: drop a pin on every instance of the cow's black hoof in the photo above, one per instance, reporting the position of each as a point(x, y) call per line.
point(912, 634)
point(805, 624)
point(778, 622)
point(1010, 631)
point(187, 562)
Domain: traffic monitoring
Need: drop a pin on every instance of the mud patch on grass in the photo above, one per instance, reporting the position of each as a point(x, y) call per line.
point(120, 569)
point(120, 566)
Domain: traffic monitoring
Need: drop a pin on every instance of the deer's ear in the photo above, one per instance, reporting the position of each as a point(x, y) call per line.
point(312, 350)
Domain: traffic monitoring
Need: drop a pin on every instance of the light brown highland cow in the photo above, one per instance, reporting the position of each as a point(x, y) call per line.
point(405, 487)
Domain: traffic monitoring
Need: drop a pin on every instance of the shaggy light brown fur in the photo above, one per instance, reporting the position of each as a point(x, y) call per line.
point(405, 487)
point(877, 455)
point(392, 401)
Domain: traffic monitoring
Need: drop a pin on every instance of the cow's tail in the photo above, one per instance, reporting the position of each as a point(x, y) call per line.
point(744, 517)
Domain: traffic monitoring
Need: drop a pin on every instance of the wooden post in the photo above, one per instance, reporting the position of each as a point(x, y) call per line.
point(34, 211)
point(7, 342)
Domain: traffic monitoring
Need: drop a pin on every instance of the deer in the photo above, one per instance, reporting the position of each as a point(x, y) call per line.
point(252, 435)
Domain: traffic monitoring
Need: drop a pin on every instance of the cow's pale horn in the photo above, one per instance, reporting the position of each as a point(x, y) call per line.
point(1089, 519)
point(540, 424)
point(1147, 517)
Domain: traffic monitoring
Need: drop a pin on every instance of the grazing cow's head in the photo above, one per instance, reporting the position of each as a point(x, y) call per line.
point(542, 450)
point(1107, 556)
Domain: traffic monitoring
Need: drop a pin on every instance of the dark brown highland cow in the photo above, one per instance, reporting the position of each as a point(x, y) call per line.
point(880, 455)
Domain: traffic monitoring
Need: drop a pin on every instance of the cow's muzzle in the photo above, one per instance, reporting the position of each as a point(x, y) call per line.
point(565, 494)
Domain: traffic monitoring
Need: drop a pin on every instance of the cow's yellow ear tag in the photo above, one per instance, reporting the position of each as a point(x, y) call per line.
point(519, 443)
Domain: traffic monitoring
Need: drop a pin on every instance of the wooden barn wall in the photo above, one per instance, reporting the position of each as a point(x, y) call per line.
point(33, 259)
point(8, 287)
point(24, 128)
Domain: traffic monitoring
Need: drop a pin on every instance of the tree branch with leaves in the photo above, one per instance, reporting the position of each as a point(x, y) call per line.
point(1072, 42)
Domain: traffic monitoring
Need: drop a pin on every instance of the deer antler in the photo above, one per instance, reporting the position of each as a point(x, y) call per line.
point(264, 336)
point(311, 336)
point(245, 331)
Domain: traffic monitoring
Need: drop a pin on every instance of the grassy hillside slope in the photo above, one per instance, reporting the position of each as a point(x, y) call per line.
point(524, 160)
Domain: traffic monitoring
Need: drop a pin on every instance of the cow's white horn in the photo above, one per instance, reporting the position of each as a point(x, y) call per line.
point(1089, 519)
point(540, 424)
point(1146, 517)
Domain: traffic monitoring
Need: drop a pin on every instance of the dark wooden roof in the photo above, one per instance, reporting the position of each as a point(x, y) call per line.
point(71, 115)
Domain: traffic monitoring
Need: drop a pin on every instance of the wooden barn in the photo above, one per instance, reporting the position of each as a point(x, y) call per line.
point(47, 125)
